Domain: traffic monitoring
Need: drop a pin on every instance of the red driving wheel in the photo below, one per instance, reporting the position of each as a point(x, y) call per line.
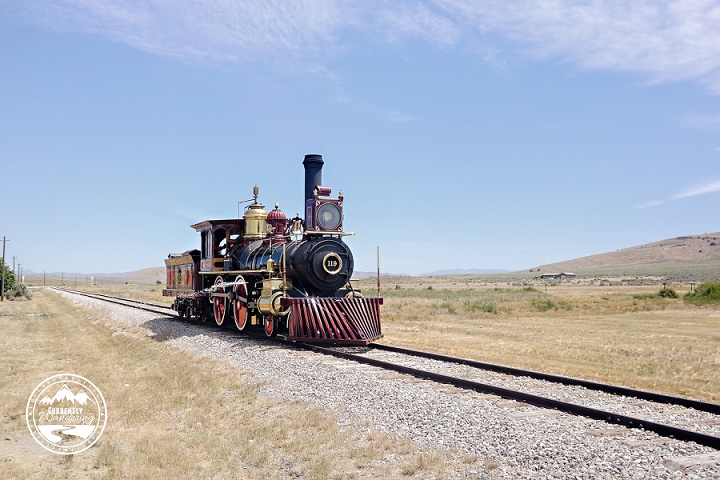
point(219, 303)
point(270, 326)
point(239, 304)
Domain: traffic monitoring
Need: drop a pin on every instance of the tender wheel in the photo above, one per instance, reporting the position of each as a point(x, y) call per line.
point(239, 304)
point(219, 303)
point(270, 326)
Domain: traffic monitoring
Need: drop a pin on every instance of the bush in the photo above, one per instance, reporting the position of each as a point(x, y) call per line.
point(544, 306)
point(706, 293)
point(642, 296)
point(18, 291)
point(9, 279)
point(668, 293)
point(473, 306)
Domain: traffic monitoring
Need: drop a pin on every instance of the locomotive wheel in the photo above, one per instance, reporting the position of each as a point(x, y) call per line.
point(239, 304)
point(219, 307)
point(270, 326)
point(219, 303)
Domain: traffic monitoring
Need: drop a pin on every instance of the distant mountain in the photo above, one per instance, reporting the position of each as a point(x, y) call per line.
point(461, 271)
point(687, 249)
point(147, 275)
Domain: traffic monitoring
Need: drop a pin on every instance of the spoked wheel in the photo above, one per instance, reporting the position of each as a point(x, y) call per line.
point(239, 304)
point(271, 324)
point(219, 303)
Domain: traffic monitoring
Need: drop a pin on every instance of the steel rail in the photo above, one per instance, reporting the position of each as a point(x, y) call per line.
point(148, 307)
point(538, 401)
point(589, 384)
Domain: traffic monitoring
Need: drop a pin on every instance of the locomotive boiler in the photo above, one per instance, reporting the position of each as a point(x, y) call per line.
point(287, 276)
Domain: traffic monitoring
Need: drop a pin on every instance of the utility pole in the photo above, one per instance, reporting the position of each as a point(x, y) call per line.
point(2, 269)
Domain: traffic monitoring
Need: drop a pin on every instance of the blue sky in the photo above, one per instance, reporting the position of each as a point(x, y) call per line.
point(464, 134)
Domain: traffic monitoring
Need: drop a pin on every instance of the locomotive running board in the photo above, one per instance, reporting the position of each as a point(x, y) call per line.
point(339, 320)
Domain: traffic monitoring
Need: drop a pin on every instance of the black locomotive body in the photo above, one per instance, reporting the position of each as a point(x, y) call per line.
point(288, 276)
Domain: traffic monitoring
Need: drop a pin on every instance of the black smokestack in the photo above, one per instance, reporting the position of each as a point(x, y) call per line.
point(313, 173)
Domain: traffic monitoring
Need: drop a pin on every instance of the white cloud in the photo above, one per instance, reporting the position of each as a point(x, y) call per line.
point(392, 116)
point(651, 203)
point(417, 20)
point(704, 122)
point(212, 29)
point(703, 188)
point(665, 41)
point(700, 189)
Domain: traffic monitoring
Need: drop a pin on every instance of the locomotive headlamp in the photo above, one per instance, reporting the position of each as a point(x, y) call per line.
point(329, 216)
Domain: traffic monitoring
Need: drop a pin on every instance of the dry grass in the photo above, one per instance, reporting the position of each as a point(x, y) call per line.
point(616, 334)
point(175, 415)
point(620, 334)
point(145, 293)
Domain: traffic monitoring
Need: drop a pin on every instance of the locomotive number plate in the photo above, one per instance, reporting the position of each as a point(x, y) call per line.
point(332, 263)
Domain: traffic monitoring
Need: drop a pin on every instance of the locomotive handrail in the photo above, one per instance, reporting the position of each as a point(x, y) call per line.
point(332, 234)
point(233, 272)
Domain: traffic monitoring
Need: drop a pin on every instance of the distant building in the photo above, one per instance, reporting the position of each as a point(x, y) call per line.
point(558, 276)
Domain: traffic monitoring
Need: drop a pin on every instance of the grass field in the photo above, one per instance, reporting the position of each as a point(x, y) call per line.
point(175, 415)
point(614, 332)
point(622, 335)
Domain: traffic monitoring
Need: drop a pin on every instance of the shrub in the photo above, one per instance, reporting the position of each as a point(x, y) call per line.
point(544, 306)
point(9, 279)
point(18, 291)
point(668, 293)
point(474, 306)
point(706, 293)
point(641, 296)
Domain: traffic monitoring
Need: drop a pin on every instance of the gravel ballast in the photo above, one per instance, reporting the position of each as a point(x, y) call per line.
point(511, 439)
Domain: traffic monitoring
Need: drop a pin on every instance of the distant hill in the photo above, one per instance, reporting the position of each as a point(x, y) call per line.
point(688, 249)
point(147, 275)
point(461, 271)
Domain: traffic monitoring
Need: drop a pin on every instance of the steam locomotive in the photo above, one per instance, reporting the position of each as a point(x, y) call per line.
point(287, 276)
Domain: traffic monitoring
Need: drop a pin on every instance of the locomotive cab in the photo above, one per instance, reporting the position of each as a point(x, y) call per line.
point(217, 239)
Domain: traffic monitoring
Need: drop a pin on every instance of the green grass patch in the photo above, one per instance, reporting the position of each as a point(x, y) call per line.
point(707, 293)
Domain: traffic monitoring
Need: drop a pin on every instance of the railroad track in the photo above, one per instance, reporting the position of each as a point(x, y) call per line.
point(695, 421)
